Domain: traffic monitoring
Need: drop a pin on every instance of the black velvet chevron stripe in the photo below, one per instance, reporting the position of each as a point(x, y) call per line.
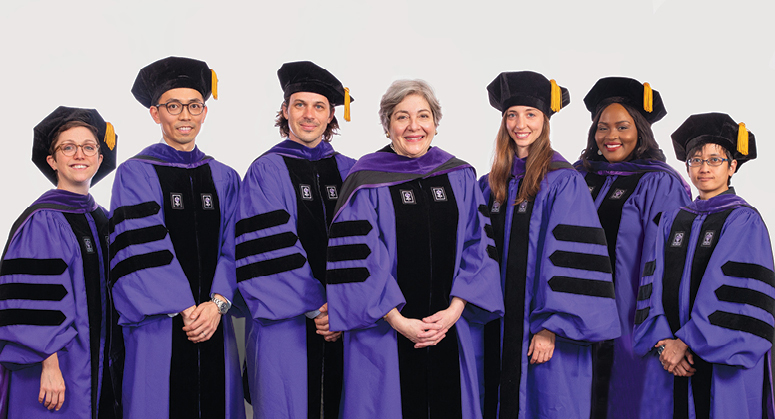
point(749, 270)
point(28, 266)
point(488, 230)
point(271, 266)
point(121, 214)
point(748, 296)
point(581, 286)
point(649, 268)
point(261, 221)
point(657, 218)
point(346, 275)
point(585, 261)
point(20, 316)
point(139, 262)
point(349, 228)
point(138, 236)
point(492, 252)
point(265, 244)
point(579, 234)
point(742, 323)
point(348, 252)
point(35, 292)
point(644, 292)
point(641, 315)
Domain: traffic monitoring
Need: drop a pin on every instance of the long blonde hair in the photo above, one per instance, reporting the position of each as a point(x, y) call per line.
point(536, 166)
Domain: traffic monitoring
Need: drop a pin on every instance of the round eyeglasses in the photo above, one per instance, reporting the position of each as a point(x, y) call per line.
point(175, 108)
point(69, 149)
point(713, 161)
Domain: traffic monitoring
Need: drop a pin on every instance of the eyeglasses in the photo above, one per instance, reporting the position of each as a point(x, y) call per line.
point(713, 161)
point(175, 108)
point(69, 149)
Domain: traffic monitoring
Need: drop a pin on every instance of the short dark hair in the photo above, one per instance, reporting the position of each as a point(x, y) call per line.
point(697, 148)
point(281, 122)
point(646, 148)
point(69, 125)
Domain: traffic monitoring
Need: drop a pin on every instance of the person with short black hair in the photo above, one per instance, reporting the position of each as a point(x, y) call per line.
point(59, 338)
point(632, 187)
point(705, 304)
point(294, 362)
point(173, 211)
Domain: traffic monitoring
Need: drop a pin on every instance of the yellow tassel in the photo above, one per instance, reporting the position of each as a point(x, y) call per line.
point(742, 139)
point(556, 96)
point(347, 104)
point(110, 136)
point(648, 98)
point(215, 85)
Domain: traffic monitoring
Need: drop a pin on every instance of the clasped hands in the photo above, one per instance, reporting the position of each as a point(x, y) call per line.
point(676, 358)
point(200, 322)
point(430, 330)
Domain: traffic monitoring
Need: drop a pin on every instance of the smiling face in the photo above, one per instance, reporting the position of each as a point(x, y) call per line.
point(179, 131)
point(308, 116)
point(616, 135)
point(524, 124)
point(412, 127)
point(74, 173)
point(711, 181)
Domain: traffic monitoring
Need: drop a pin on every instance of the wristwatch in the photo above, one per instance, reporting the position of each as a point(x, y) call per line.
point(223, 306)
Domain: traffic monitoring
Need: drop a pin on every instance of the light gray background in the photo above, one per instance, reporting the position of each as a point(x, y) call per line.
point(702, 55)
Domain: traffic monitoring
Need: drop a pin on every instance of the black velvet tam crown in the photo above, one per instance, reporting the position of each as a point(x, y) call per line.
point(716, 128)
point(172, 73)
point(43, 136)
point(630, 91)
point(306, 76)
point(527, 88)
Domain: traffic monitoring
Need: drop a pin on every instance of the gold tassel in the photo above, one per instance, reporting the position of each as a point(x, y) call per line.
point(110, 136)
point(347, 104)
point(742, 139)
point(648, 98)
point(215, 85)
point(556, 96)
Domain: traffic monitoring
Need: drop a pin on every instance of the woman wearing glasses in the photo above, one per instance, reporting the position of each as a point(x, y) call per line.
point(706, 300)
point(632, 187)
point(57, 319)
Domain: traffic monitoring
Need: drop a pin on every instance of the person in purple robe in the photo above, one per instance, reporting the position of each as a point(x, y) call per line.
point(554, 264)
point(173, 210)
point(57, 326)
point(707, 295)
point(411, 271)
point(287, 199)
point(632, 187)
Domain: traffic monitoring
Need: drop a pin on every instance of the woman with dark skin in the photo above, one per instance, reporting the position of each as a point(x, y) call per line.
point(632, 186)
point(58, 337)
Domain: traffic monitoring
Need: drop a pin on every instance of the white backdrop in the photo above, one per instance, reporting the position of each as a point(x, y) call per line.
point(701, 55)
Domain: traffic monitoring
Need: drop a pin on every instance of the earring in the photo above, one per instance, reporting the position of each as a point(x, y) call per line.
point(599, 153)
point(437, 132)
point(387, 135)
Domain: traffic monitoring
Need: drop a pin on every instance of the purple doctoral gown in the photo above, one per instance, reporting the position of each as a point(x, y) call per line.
point(410, 233)
point(172, 246)
point(286, 204)
point(630, 198)
point(556, 275)
point(710, 282)
point(54, 299)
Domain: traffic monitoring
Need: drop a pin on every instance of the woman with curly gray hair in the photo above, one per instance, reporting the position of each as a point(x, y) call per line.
point(411, 271)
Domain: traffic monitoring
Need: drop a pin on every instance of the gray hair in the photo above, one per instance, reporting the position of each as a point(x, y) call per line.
point(398, 91)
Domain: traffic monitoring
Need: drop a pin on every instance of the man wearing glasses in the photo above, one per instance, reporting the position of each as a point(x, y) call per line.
point(286, 205)
point(172, 257)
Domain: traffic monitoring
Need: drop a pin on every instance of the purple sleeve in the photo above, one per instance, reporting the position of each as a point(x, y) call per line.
point(225, 278)
point(146, 278)
point(573, 286)
point(732, 317)
point(651, 324)
point(273, 274)
point(477, 279)
point(38, 303)
point(362, 290)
